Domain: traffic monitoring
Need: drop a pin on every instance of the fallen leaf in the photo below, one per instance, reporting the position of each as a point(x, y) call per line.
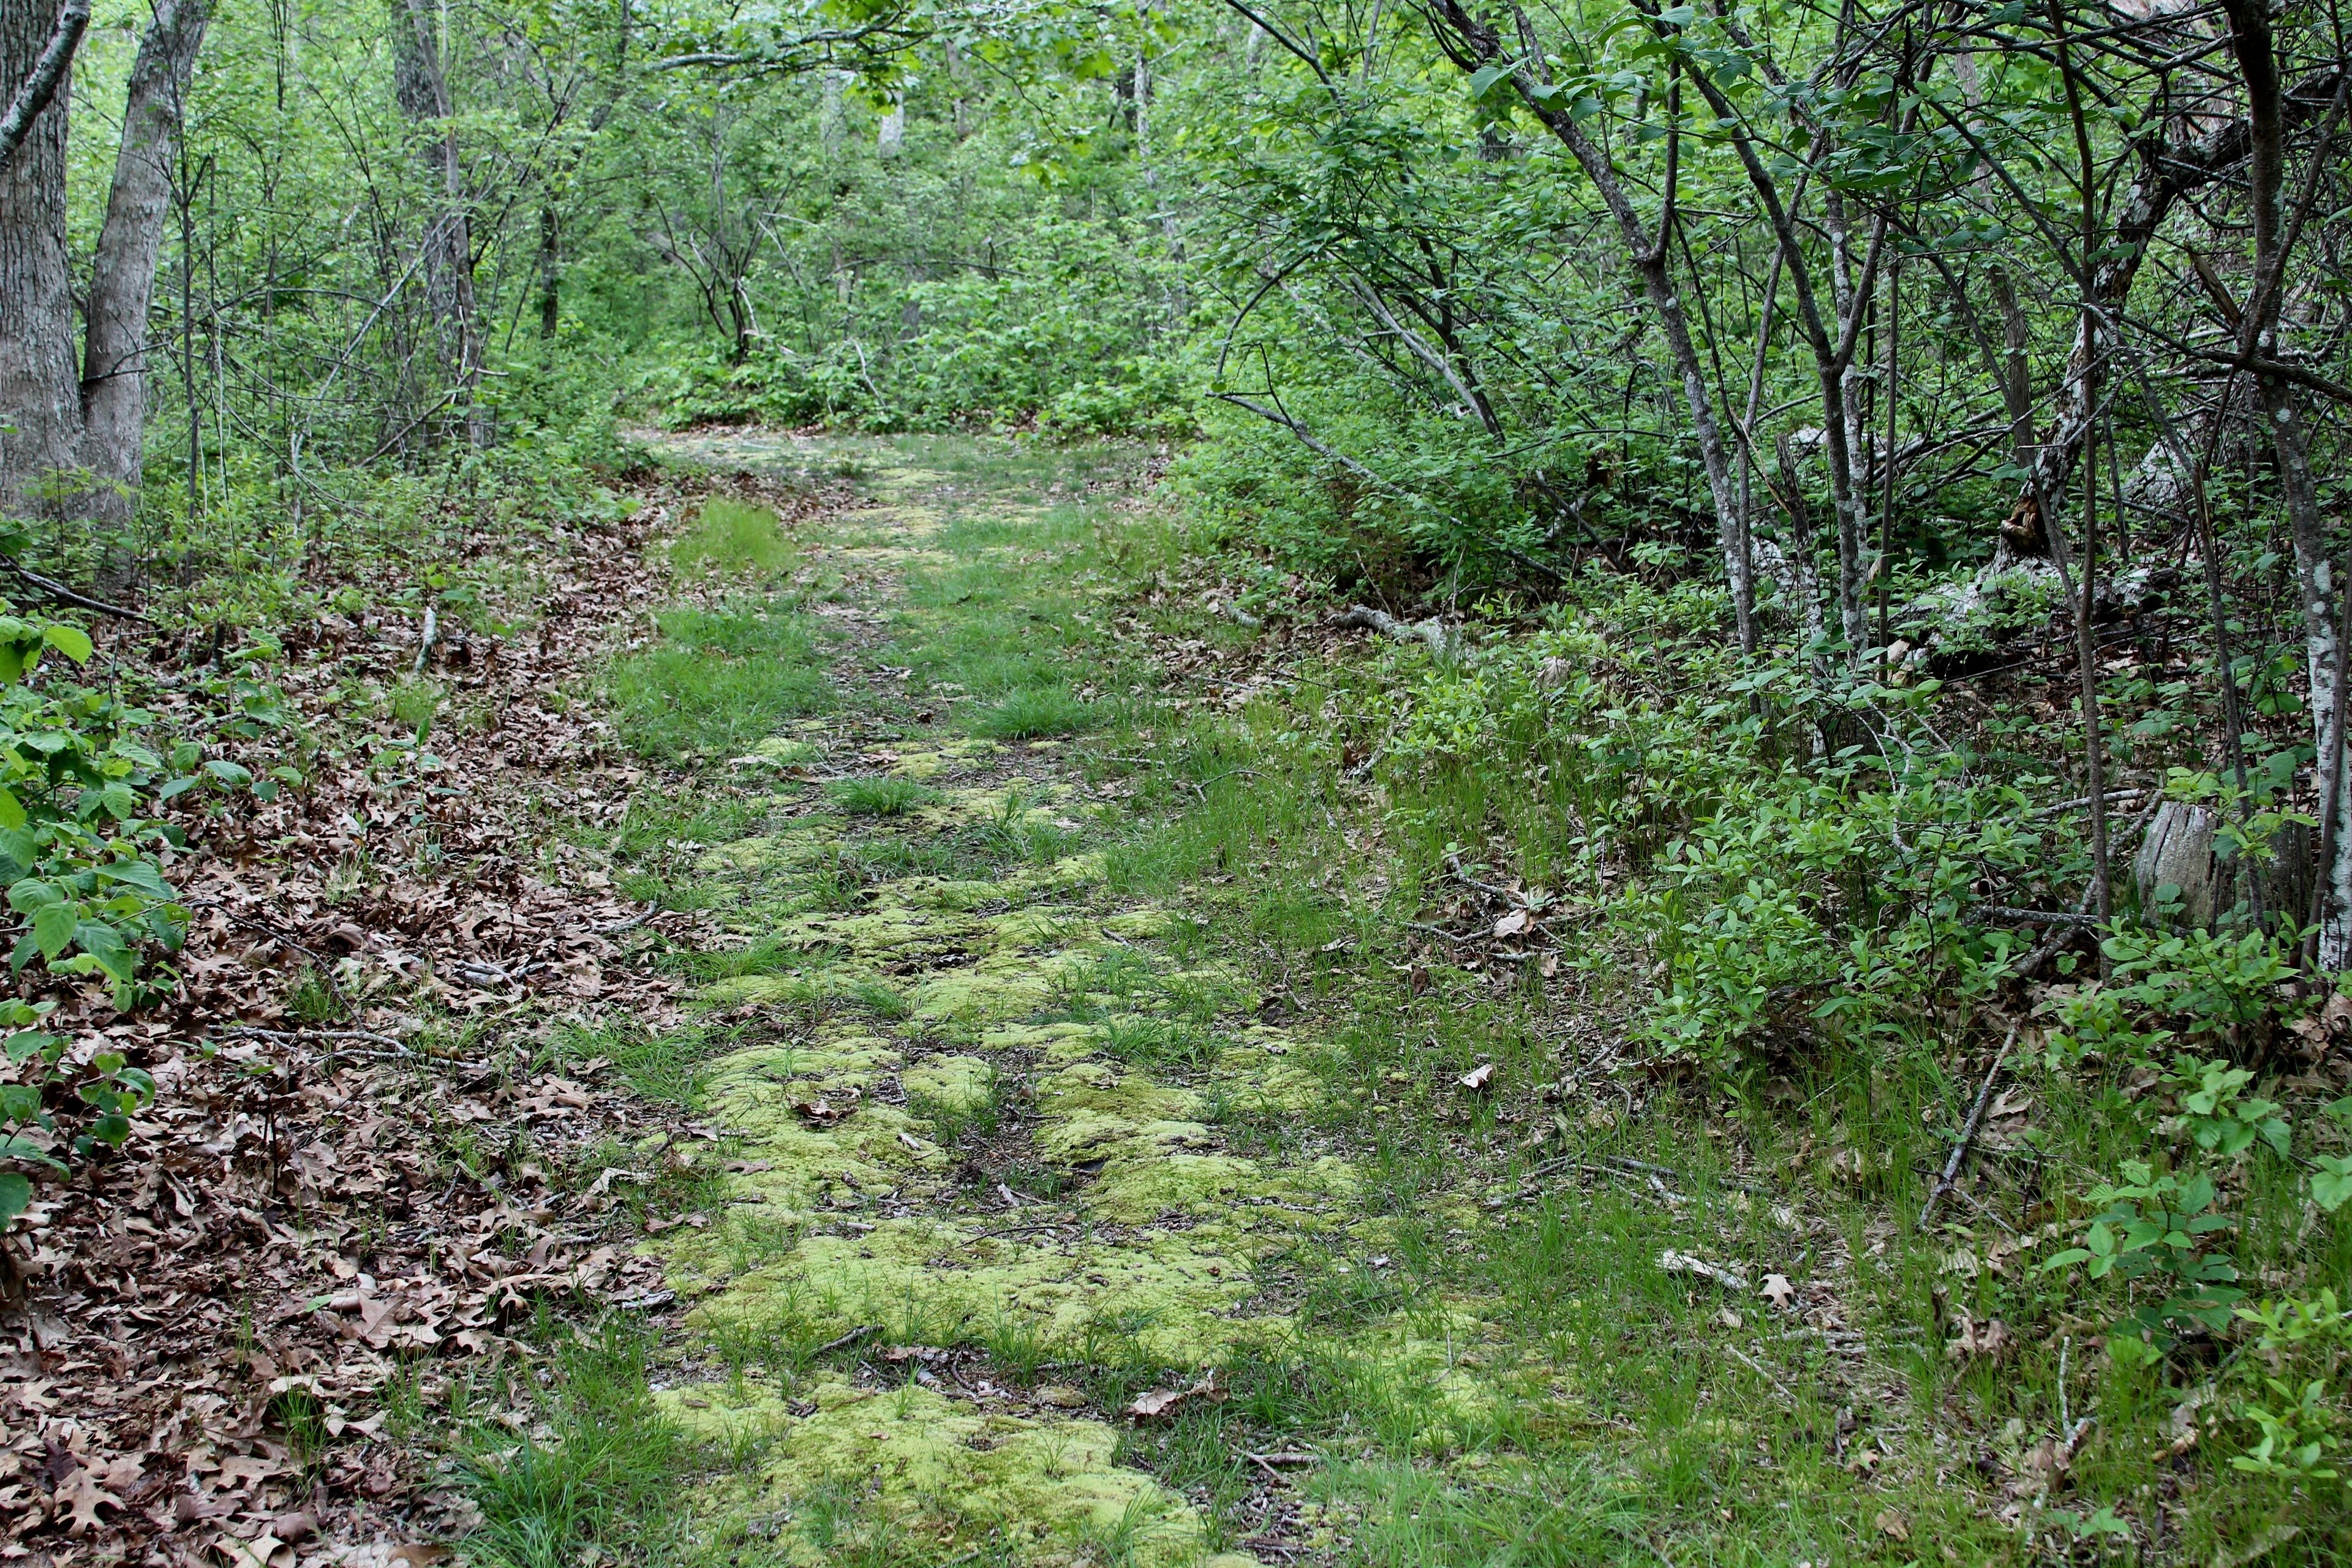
point(2013, 1102)
point(1990, 1340)
point(1478, 1077)
point(83, 1496)
point(1893, 1525)
point(910, 1140)
point(1163, 1400)
point(1512, 924)
point(1779, 1291)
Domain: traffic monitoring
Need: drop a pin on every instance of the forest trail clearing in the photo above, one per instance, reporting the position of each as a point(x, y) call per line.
point(981, 1117)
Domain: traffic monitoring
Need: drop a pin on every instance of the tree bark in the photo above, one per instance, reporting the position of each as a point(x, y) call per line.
point(2251, 44)
point(422, 88)
point(34, 94)
point(40, 410)
point(122, 280)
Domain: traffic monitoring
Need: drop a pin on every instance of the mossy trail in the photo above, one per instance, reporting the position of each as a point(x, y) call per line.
point(978, 1111)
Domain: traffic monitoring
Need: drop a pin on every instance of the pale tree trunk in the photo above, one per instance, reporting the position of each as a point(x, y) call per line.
point(448, 245)
point(40, 406)
point(122, 282)
point(2315, 589)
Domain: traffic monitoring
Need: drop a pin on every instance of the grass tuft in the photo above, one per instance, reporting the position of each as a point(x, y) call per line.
point(717, 682)
point(1036, 712)
point(733, 538)
point(880, 797)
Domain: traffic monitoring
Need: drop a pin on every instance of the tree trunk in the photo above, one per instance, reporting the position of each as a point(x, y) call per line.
point(448, 245)
point(550, 268)
point(2250, 43)
point(122, 280)
point(40, 409)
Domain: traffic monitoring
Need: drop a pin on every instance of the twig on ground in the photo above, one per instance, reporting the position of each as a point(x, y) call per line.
point(1968, 1133)
point(847, 1340)
point(1745, 1360)
point(65, 595)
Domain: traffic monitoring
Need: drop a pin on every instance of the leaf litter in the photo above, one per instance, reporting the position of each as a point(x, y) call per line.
point(201, 1331)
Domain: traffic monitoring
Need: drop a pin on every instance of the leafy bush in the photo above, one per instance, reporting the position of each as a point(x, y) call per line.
point(80, 846)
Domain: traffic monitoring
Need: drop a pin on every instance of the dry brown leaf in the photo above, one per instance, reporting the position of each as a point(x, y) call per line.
point(1779, 1291)
point(1479, 1077)
point(1163, 1401)
point(1512, 924)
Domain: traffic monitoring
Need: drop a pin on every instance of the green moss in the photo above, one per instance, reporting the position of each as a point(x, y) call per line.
point(1047, 1490)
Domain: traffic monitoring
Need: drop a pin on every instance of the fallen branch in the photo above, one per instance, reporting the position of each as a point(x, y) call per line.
point(1968, 1133)
point(1431, 631)
point(65, 595)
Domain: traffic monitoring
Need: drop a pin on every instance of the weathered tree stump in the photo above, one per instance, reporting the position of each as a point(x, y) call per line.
point(2184, 849)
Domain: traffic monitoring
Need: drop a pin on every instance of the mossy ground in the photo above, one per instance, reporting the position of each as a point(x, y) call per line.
point(1104, 1063)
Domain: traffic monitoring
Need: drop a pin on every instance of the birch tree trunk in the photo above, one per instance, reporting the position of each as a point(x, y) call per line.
point(122, 280)
point(40, 406)
point(2315, 589)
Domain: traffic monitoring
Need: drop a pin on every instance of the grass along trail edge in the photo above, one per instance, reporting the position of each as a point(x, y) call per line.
point(1109, 1174)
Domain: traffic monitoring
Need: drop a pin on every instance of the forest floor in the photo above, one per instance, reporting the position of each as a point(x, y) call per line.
point(1105, 1170)
point(881, 1022)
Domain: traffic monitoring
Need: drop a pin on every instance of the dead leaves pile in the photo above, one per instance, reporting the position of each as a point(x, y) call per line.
point(197, 1332)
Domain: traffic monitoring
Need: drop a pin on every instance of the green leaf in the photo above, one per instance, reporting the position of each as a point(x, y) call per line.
point(72, 641)
point(104, 944)
point(2331, 1184)
point(1483, 79)
point(16, 1196)
point(229, 774)
point(53, 928)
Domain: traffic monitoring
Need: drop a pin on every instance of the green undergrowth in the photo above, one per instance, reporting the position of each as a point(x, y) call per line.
point(1169, 1049)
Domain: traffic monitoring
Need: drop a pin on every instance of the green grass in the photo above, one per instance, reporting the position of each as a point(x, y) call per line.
point(1631, 1421)
point(1033, 713)
point(717, 682)
point(607, 1477)
point(731, 538)
point(879, 797)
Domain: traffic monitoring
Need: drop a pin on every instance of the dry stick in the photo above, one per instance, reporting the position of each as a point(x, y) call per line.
point(2094, 743)
point(847, 1340)
point(1968, 1133)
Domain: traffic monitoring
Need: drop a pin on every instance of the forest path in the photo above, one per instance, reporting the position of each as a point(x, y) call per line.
point(990, 1180)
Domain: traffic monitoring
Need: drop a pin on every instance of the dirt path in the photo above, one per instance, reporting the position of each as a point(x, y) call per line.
point(981, 1202)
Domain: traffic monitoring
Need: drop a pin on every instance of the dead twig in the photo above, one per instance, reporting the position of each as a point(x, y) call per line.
point(1968, 1133)
point(847, 1340)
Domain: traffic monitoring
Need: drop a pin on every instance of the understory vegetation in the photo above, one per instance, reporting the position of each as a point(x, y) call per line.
point(889, 782)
